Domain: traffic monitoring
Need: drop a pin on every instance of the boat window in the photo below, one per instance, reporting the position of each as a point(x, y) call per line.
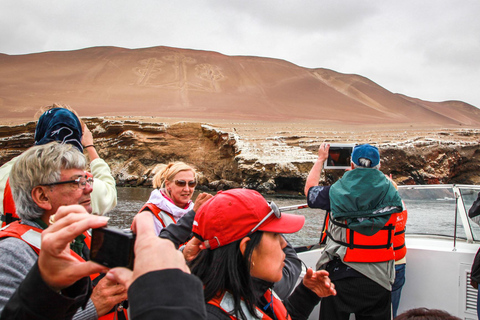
point(469, 195)
point(431, 211)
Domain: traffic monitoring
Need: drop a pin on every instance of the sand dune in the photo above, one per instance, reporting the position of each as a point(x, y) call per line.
point(189, 84)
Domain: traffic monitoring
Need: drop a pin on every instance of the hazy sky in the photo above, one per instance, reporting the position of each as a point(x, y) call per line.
point(428, 49)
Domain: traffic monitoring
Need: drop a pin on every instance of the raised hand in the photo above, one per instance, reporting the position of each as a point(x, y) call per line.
point(319, 282)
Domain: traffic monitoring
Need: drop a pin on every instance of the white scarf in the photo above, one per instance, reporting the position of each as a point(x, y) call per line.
point(164, 204)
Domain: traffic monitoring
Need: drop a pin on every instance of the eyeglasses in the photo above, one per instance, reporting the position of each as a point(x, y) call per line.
point(80, 181)
point(274, 211)
point(183, 183)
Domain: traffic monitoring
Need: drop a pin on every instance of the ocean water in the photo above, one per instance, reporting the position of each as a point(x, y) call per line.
point(429, 212)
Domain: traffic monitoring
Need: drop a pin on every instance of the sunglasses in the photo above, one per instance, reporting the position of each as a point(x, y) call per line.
point(81, 182)
point(274, 210)
point(183, 183)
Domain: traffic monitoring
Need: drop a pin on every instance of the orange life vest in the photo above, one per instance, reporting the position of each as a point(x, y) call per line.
point(226, 300)
point(399, 236)
point(362, 248)
point(9, 210)
point(167, 217)
point(32, 236)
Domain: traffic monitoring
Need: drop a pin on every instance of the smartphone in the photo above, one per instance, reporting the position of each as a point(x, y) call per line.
point(339, 156)
point(112, 247)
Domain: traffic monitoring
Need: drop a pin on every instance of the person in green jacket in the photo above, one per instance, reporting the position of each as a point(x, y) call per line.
point(361, 209)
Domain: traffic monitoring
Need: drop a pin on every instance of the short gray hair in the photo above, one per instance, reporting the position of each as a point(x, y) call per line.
point(365, 163)
point(37, 166)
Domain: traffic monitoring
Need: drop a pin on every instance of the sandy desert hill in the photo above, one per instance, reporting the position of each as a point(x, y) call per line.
point(207, 86)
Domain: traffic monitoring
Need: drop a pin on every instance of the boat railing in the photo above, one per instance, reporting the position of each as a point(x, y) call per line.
point(441, 210)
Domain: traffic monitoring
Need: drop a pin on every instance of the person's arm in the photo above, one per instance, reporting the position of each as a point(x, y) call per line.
point(58, 270)
point(291, 272)
point(160, 282)
point(315, 286)
point(17, 258)
point(87, 143)
point(60, 306)
point(171, 293)
point(316, 171)
point(104, 194)
point(180, 232)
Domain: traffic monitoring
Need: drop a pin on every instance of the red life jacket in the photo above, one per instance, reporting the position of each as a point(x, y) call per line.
point(9, 210)
point(362, 248)
point(399, 237)
point(226, 300)
point(32, 236)
point(164, 217)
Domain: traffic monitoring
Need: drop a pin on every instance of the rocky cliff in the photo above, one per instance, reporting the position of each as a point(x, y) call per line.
point(268, 158)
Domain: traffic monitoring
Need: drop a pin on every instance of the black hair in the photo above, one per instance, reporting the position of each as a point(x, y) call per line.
point(226, 269)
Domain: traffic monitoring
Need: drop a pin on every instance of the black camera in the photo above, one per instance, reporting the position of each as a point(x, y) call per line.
point(112, 247)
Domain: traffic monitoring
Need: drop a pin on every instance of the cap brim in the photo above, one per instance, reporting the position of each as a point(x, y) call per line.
point(288, 223)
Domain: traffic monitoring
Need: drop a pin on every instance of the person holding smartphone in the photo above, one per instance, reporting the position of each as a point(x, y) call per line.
point(60, 281)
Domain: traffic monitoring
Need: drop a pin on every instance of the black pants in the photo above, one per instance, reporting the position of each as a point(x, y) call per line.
point(359, 295)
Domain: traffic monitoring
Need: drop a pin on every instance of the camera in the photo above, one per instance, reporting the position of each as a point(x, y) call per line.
point(112, 247)
point(339, 156)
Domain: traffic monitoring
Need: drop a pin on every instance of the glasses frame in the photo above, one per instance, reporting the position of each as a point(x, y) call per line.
point(88, 180)
point(274, 210)
point(182, 183)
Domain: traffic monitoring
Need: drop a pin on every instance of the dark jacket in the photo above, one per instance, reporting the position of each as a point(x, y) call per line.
point(164, 294)
point(34, 299)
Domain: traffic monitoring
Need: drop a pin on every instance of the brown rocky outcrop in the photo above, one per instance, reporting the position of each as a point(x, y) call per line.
point(247, 121)
point(277, 161)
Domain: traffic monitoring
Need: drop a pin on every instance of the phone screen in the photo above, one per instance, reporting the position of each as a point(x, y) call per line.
point(112, 247)
point(339, 156)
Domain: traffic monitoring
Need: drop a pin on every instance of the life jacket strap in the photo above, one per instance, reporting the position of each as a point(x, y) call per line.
point(8, 218)
point(352, 245)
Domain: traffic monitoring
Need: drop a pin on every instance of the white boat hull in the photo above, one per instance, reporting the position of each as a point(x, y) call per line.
point(437, 275)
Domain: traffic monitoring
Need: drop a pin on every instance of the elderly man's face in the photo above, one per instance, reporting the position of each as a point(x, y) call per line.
point(70, 193)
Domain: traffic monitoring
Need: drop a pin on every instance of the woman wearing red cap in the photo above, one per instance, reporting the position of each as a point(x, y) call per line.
point(240, 233)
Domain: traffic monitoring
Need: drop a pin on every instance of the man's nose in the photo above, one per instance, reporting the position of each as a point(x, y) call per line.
point(88, 188)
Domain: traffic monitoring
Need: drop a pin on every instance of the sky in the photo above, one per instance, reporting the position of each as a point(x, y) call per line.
point(427, 49)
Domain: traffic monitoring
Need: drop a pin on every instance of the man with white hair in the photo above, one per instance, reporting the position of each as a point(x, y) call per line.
point(359, 228)
point(43, 179)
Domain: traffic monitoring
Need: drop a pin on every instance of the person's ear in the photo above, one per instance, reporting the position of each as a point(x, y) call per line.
point(41, 197)
point(352, 165)
point(243, 245)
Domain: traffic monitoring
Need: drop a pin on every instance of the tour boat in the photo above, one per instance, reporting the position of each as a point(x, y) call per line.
point(441, 245)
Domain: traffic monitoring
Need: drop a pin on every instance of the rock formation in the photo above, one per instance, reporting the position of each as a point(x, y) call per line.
point(272, 160)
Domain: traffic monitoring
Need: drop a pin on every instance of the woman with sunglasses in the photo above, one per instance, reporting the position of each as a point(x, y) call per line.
point(174, 186)
point(242, 257)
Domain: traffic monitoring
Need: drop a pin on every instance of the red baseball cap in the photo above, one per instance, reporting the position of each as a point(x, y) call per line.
point(233, 214)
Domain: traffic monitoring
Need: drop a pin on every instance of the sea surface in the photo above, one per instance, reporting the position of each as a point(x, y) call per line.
point(429, 212)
